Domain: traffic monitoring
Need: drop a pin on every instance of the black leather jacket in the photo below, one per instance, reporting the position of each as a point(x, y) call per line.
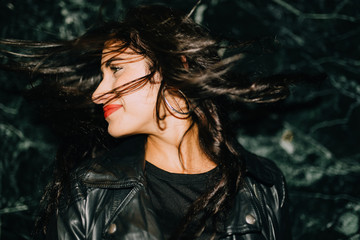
point(109, 200)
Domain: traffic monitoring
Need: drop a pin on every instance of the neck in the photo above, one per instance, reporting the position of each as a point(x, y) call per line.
point(162, 150)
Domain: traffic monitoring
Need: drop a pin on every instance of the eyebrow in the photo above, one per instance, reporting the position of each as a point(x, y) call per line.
point(108, 62)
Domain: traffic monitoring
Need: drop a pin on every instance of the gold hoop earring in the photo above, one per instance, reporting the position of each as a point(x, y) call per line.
point(180, 111)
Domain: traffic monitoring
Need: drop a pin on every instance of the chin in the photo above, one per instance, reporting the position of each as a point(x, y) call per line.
point(117, 132)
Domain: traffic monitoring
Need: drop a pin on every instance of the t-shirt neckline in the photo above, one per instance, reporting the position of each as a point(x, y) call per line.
point(153, 170)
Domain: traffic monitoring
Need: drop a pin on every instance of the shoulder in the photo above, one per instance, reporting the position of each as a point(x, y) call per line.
point(120, 167)
point(96, 187)
point(266, 181)
point(76, 191)
point(260, 206)
point(262, 169)
point(261, 172)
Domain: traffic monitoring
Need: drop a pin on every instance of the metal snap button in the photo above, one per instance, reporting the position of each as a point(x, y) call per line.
point(250, 219)
point(112, 228)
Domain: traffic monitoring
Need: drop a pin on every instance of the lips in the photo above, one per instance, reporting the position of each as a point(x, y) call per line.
point(109, 109)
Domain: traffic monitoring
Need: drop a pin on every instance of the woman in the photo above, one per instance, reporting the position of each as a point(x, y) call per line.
point(176, 171)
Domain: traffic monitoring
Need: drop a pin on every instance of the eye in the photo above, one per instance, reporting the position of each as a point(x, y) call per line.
point(115, 69)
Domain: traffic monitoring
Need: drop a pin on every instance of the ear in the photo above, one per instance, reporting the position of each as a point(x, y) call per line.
point(184, 62)
point(157, 78)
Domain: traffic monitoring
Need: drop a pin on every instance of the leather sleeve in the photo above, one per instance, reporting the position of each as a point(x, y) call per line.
point(70, 222)
point(277, 202)
point(273, 197)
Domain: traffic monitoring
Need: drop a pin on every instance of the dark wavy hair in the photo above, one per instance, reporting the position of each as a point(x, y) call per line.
point(166, 37)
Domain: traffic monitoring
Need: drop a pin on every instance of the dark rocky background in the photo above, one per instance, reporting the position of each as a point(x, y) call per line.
point(314, 136)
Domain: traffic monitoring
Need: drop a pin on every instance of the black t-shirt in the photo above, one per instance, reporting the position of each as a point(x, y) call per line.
point(173, 193)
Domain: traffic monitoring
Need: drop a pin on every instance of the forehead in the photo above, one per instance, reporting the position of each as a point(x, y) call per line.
point(116, 51)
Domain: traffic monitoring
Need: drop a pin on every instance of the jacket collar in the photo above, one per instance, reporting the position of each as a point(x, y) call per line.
point(118, 168)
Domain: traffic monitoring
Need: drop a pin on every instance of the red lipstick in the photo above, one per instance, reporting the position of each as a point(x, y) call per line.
point(109, 109)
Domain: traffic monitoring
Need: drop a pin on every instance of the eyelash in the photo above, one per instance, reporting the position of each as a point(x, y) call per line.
point(115, 69)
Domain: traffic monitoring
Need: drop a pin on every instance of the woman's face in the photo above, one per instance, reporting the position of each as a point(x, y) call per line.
point(131, 113)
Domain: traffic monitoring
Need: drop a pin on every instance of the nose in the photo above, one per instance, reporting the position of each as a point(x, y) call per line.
point(100, 95)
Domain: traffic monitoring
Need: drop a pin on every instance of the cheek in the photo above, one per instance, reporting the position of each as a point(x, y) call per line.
point(142, 101)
